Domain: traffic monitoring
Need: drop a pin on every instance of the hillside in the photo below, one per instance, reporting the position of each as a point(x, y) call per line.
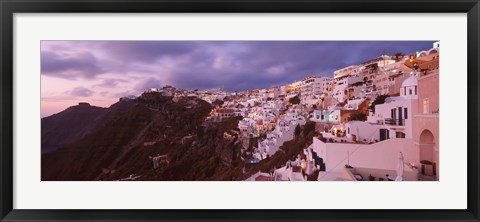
point(75, 123)
point(152, 126)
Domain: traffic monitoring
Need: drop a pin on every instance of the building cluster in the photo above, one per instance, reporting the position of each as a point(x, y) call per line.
point(374, 119)
point(377, 118)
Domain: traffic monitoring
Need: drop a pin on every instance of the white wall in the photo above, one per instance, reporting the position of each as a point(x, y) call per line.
point(339, 92)
point(316, 113)
point(381, 155)
point(334, 116)
point(357, 92)
point(366, 131)
point(382, 112)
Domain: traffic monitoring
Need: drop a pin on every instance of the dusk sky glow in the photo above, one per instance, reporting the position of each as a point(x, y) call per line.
point(100, 72)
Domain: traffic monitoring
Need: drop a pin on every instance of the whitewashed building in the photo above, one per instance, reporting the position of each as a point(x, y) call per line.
point(396, 114)
point(340, 90)
point(347, 71)
point(284, 131)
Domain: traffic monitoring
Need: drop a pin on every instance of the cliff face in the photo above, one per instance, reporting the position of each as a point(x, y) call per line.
point(152, 129)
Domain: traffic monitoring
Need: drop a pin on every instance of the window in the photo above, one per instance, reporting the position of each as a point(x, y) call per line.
point(348, 130)
point(426, 106)
point(400, 135)
point(410, 92)
point(384, 134)
point(415, 90)
point(393, 113)
point(405, 111)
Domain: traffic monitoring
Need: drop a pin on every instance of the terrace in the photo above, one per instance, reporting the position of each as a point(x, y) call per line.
point(395, 122)
point(371, 174)
point(330, 138)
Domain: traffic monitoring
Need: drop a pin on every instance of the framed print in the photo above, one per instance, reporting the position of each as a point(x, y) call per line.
point(239, 110)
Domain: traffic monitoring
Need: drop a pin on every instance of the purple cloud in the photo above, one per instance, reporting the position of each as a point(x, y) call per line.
point(317, 57)
point(70, 66)
point(146, 51)
point(234, 65)
point(81, 92)
point(110, 83)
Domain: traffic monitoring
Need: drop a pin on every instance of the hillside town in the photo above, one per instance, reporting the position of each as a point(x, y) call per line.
point(375, 118)
point(374, 121)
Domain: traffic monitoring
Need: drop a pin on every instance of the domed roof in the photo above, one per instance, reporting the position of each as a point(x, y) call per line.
point(410, 81)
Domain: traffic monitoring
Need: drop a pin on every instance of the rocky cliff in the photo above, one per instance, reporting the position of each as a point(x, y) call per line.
point(153, 137)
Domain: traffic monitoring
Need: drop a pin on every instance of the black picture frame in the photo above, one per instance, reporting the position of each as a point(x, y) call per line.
point(10, 7)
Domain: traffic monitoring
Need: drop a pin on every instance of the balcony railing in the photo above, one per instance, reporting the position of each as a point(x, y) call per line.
point(395, 122)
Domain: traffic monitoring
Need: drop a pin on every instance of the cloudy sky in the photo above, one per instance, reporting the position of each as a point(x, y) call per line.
point(100, 72)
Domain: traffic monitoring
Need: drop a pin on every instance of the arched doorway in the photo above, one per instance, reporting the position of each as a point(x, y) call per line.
point(427, 145)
